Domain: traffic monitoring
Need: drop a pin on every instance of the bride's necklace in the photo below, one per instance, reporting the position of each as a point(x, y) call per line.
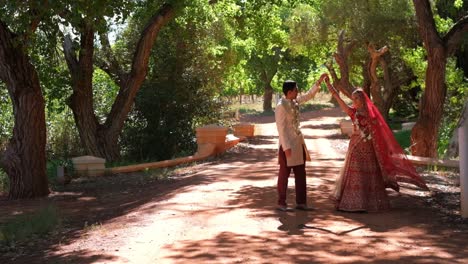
point(364, 133)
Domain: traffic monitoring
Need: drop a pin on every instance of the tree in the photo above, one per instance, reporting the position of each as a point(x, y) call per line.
point(101, 139)
point(438, 49)
point(367, 24)
point(342, 82)
point(24, 159)
point(265, 33)
point(383, 98)
point(455, 10)
point(187, 68)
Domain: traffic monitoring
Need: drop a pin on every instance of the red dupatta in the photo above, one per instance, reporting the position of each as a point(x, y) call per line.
point(395, 165)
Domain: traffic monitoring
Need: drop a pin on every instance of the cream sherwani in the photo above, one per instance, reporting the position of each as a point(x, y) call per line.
point(288, 125)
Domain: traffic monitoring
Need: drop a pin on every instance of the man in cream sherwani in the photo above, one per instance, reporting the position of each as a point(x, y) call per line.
point(292, 152)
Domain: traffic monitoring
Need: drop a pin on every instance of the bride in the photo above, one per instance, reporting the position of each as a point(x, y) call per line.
point(374, 161)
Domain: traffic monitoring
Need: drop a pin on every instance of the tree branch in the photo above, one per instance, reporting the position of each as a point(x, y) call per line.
point(426, 23)
point(111, 66)
point(456, 34)
point(70, 54)
point(36, 17)
point(331, 69)
point(341, 58)
point(148, 37)
point(130, 86)
point(375, 58)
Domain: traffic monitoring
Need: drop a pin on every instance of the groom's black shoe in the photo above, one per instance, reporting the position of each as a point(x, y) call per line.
point(284, 208)
point(304, 207)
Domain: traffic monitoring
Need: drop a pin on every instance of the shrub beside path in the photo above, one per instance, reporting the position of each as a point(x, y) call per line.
point(223, 211)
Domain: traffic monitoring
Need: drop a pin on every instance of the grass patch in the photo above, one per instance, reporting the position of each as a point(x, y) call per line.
point(254, 111)
point(394, 126)
point(403, 138)
point(27, 226)
point(314, 106)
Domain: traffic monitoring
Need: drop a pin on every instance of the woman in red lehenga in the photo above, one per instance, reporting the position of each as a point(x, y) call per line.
point(374, 161)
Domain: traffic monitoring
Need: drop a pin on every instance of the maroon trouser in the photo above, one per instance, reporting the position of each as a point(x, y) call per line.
point(299, 178)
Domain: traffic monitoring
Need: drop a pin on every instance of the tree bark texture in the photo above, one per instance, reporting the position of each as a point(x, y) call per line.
point(24, 159)
point(366, 84)
point(382, 93)
point(342, 83)
point(102, 139)
point(425, 132)
point(267, 98)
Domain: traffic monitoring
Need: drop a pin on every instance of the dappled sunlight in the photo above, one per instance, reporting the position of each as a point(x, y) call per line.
point(223, 210)
point(295, 243)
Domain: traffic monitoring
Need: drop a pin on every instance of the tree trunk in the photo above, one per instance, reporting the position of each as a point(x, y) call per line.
point(267, 98)
point(383, 93)
point(425, 132)
point(96, 139)
point(375, 88)
point(366, 84)
point(24, 159)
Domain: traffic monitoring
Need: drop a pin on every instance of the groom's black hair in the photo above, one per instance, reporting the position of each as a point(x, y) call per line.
point(289, 85)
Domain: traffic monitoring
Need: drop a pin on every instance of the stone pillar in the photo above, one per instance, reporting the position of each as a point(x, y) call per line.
point(213, 134)
point(463, 149)
point(89, 166)
point(244, 130)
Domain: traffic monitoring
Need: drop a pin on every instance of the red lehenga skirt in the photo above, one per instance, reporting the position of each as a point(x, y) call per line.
point(360, 185)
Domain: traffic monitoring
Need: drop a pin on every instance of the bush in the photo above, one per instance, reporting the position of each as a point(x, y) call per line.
point(457, 94)
point(162, 123)
point(63, 140)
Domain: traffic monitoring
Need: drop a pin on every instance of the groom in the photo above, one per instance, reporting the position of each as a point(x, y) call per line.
point(292, 152)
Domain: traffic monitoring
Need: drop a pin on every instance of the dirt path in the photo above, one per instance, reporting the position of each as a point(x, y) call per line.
point(222, 211)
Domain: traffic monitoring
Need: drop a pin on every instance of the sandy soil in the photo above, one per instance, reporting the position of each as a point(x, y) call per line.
point(223, 211)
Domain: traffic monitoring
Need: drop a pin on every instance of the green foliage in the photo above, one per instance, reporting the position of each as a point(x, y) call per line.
point(63, 141)
point(403, 138)
point(180, 92)
point(23, 227)
point(162, 124)
point(228, 47)
point(454, 9)
point(6, 116)
point(315, 27)
point(309, 32)
point(376, 21)
point(104, 92)
point(407, 101)
point(443, 25)
point(415, 58)
point(457, 94)
point(296, 67)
